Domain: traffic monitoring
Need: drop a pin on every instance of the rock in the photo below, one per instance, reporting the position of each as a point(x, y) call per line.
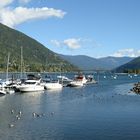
point(136, 88)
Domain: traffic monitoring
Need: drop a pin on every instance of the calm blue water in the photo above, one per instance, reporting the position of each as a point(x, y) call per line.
point(106, 111)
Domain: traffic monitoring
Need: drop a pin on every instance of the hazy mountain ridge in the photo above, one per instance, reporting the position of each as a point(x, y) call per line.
point(89, 63)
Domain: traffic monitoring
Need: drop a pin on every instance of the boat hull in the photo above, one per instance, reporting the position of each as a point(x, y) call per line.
point(31, 88)
point(2, 92)
point(76, 84)
point(51, 86)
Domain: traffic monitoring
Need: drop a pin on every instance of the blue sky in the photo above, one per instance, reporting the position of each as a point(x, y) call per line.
point(96, 28)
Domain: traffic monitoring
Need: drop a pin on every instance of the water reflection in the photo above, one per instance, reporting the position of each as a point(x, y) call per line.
point(54, 91)
point(2, 96)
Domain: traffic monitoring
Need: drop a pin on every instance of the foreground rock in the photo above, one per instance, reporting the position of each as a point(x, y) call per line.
point(136, 88)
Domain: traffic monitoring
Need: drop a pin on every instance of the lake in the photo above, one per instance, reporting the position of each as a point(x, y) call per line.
point(103, 111)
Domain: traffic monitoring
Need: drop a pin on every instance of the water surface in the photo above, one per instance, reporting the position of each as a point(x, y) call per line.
point(104, 111)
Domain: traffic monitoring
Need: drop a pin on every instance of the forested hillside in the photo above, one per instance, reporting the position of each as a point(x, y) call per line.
point(36, 57)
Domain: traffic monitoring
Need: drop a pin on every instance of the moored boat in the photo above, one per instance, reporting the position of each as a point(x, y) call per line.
point(64, 80)
point(2, 91)
point(53, 85)
point(91, 80)
point(79, 81)
point(31, 84)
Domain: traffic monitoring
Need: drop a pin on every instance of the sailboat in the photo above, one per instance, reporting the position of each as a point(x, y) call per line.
point(22, 79)
point(4, 84)
point(32, 84)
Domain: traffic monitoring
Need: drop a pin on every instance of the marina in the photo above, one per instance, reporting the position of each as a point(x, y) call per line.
point(34, 82)
point(69, 70)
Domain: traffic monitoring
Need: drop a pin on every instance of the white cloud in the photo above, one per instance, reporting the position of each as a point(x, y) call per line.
point(24, 1)
point(4, 3)
point(127, 52)
point(76, 43)
point(56, 43)
point(72, 43)
point(14, 16)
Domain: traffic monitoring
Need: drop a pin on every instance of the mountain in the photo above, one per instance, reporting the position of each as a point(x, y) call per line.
point(114, 62)
point(132, 66)
point(83, 62)
point(36, 56)
point(89, 63)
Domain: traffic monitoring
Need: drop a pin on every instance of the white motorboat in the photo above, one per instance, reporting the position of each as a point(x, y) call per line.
point(135, 75)
point(64, 80)
point(7, 89)
point(3, 91)
point(91, 80)
point(31, 85)
point(4, 83)
point(53, 85)
point(79, 81)
point(76, 84)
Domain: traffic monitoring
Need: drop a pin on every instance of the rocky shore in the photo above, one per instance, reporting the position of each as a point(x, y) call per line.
point(136, 88)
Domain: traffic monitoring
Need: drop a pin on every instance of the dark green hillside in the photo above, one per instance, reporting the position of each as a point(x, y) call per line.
point(36, 56)
point(132, 66)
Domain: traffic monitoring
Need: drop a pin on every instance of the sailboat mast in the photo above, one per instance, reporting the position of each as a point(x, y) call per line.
point(7, 67)
point(21, 62)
